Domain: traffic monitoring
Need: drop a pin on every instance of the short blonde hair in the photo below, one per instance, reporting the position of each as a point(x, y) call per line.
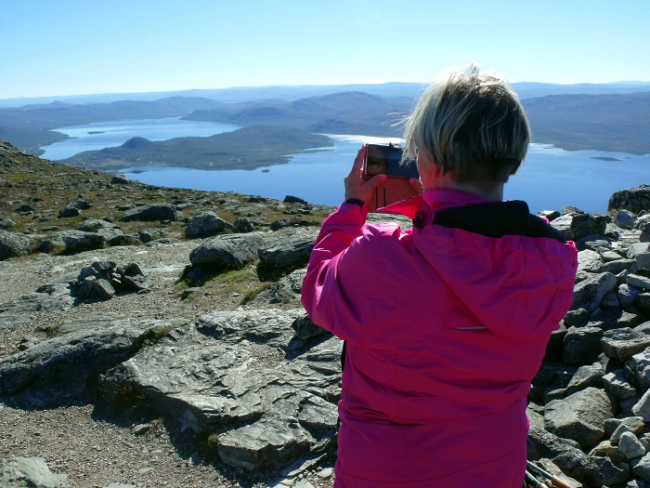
point(471, 124)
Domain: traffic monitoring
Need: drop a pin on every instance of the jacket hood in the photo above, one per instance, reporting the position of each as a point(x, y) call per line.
point(518, 260)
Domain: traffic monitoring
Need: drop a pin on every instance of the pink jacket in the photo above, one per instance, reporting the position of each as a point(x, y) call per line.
point(446, 325)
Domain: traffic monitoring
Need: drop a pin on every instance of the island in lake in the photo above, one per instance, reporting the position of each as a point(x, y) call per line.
point(93, 132)
point(247, 148)
point(605, 158)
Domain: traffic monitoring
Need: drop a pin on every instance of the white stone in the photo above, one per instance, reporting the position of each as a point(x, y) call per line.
point(325, 473)
point(630, 446)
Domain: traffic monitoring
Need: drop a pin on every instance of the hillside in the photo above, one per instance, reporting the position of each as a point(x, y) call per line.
point(615, 123)
point(247, 148)
point(340, 113)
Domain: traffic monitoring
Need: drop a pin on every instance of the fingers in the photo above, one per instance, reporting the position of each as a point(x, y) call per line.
point(358, 161)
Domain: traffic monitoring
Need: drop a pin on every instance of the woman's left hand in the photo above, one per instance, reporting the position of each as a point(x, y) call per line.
point(355, 187)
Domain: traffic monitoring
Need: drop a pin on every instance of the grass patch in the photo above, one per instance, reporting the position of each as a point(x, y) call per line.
point(250, 294)
point(53, 329)
point(234, 281)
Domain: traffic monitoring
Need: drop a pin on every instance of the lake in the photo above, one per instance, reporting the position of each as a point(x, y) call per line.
point(551, 178)
point(98, 135)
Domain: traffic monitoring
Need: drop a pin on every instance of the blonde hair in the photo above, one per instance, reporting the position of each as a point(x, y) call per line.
point(471, 124)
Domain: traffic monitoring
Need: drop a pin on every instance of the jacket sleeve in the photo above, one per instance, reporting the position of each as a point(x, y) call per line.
point(337, 291)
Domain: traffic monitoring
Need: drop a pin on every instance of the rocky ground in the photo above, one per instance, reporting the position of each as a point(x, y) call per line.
point(154, 337)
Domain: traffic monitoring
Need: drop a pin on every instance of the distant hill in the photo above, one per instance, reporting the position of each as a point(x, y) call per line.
point(340, 113)
point(239, 94)
point(247, 148)
point(30, 140)
point(615, 123)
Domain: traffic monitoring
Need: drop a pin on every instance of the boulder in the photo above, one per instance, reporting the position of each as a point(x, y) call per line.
point(21, 472)
point(155, 211)
point(77, 241)
point(120, 180)
point(292, 199)
point(582, 345)
point(71, 210)
point(624, 219)
point(12, 245)
point(615, 267)
point(642, 467)
point(642, 407)
point(6, 223)
point(588, 293)
point(623, 343)
point(579, 416)
point(616, 384)
point(639, 282)
point(586, 376)
point(632, 199)
point(227, 251)
point(242, 224)
point(292, 251)
point(635, 425)
point(124, 240)
point(206, 224)
point(93, 225)
point(639, 367)
point(590, 261)
point(286, 290)
point(627, 295)
point(306, 329)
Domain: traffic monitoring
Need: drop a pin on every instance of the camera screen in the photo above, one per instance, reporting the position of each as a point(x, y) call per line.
point(386, 160)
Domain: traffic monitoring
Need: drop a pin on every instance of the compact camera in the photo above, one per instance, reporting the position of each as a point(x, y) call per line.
point(386, 159)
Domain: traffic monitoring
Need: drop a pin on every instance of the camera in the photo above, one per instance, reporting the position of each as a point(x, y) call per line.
point(387, 160)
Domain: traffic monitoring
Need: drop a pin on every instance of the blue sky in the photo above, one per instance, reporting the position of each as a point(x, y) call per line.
point(68, 47)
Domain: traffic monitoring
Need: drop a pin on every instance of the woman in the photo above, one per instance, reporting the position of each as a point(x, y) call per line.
point(446, 324)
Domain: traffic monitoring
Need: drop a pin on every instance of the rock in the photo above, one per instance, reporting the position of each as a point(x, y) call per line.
point(25, 209)
point(243, 224)
point(588, 293)
point(563, 224)
point(643, 261)
point(69, 211)
point(93, 225)
point(77, 241)
point(6, 223)
point(642, 407)
point(579, 416)
point(620, 265)
point(632, 199)
point(12, 245)
point(156, 211)
point(617, 385)
point(640, 282)
point(288, 253)
point(124, 240)
point(576, 317)
point(637, 248)
point(73, 357)
point(635, 425)
point(286, 290)
point(627, 295)
point(292, 199)
point(586, 376)
point(149, 235)
point(291, 222)
point(206, 224)
point(227, 252)
point(306, 329)
point(136, 282)
point(209, 377)
point(141, 429)
point(624, 219)
point(639, 365)
point(21, 472)
point(642, 467)
point(52, 297)
point(120, 180)
point(582, 345)
point(590, 261)
point(103, 289)
point(622, 344)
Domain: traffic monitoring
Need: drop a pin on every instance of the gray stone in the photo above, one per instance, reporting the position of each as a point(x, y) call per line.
point(287, 290)
point(614, 318)
point(103, 289)
point(642, 467)
point(242, 224)
point(12, 244)
point(73, 357)
point(69, 211)
point(595, 242)
point(620, 265)
point(617, 385)
point(120, 180)
point(550, 215)
point(623, 343)
point(588, 293)
point(579, 416)
point(52, 297)
point(291, 222)
point(137, 282)
point(93, 225)
point(632, 199)
point(207, 224)
point(642, 302)
point(156, 211)
point(21, 472)
point(642, 407)
point(627, 295)
point(77, 241)
point(625, 219)
point(582, 345)
point(292, 199)
point(124, 240)
point(640, 282)
point(576, 317)
point(639, 365)
point(227, 251)
point(149, 235)
point(586, 376)
point(643, 261)
point(563, 224)
point(306, 329)
point(292, 251)
point(637, 248)
point(6, 223)
point(635, 425)
point(590, 261)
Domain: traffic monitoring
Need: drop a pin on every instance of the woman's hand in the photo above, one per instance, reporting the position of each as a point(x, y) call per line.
point(355, 187)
